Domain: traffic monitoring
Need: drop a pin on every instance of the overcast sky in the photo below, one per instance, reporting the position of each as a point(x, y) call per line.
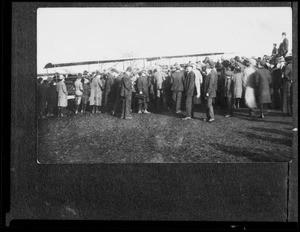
point(84, 34)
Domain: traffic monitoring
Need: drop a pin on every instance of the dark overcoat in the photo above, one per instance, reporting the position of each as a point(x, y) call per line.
point(189, 84)
point(126, 86)
point(177, 81)
point(143, 84)
point(263, 85)
point(211, 84)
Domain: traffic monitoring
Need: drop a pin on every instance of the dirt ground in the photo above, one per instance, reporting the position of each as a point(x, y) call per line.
point(165, 138)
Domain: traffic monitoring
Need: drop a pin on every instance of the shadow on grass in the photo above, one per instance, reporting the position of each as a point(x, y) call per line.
point(254, 155)
point(275, 131)
point(283, 141)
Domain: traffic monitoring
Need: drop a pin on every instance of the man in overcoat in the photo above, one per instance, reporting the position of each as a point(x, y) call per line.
point(210, 90)
point(62, 96)
point(284, 46)
point(189, 89)
point(263, 80)
point(109, 91)
point(143, 84)
point(126, 94)
point(159, 77)
point(177, 88)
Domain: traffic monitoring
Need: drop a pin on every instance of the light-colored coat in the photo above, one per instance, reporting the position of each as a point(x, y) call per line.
point(247, 72)
point(62, 94)
point(238, 85)
point(96, 91)
point(78, 87)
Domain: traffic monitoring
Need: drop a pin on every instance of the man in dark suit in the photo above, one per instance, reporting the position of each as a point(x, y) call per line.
point(210, 87)
point(283, 47)
point(177, 88)
point(126, 94)
point(189, 89)
point(109, 93)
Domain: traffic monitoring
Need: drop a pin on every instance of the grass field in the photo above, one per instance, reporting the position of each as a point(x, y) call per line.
point(165, 138)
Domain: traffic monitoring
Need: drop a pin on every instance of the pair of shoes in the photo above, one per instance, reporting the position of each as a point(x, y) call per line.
point(295, 129)
point(228, 115)
point(140, 112)
point(178, 112)
point(211, 120)
point(128, 118)
point(146, 112)
point(187, 118)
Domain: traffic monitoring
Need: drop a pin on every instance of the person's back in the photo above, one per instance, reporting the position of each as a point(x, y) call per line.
point(211, 83)
point(177, 81)
point(78, 87)
point(264, 80)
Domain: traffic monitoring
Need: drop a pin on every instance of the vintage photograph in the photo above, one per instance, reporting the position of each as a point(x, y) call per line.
point(164, 85)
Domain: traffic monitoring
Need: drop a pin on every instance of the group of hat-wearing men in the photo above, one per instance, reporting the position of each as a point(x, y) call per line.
point(228, 83)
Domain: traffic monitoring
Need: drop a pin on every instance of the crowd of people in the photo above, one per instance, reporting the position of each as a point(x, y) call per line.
point(250, 82)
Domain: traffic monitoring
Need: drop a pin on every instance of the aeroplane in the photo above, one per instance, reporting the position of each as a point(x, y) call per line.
point(71, 77)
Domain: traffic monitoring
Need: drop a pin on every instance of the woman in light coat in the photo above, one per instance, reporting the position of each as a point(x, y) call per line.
point(62, 96)
point(96, 93)
point(238, 85)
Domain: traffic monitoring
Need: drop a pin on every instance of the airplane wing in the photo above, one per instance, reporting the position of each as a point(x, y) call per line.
point(50, 65)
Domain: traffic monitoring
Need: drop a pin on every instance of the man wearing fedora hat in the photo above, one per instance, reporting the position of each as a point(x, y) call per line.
point(62, 96)
point(263, 80)
point(126, 94)
point(189, 90)
point(210, 87)
point(109, 94)
point(177, 88)
point(283, 47)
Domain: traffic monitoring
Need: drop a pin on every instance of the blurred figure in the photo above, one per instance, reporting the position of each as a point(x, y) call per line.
point(189, 90)
point(78, 92)
point(96, 93)
point(86, 93)
point(143, 89)
point(210, 90)
point(126, 94)
point(52, 98)
point(62, 97)
point(177, 88)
